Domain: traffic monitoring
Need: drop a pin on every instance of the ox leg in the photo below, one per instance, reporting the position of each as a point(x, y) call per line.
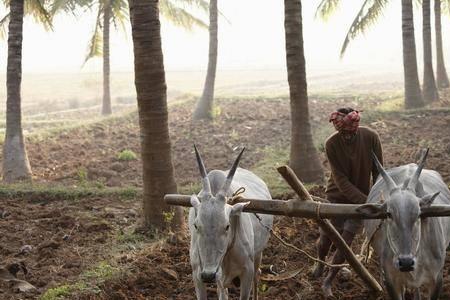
point(247, 281)
point(417, 294)
point(221, 291)
point(437, 288)
point(393, 293)
point(258, 258)
point(200, 289)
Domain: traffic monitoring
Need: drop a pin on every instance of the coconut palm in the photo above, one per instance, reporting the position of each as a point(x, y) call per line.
point(151, 92)
point(441, 73)
point(116, 11)
point(304, 159)
point(16, 166)
point(204, 108)
point(366, 17)
point(430, 92)
point(413, 96)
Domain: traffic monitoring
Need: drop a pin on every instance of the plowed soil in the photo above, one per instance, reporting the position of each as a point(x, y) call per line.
point(58, 241)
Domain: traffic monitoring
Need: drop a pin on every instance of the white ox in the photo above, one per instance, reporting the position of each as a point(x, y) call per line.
point(411, 249)
point(227, 244)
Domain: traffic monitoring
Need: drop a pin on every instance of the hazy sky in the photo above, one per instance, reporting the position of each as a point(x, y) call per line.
point(254, 39)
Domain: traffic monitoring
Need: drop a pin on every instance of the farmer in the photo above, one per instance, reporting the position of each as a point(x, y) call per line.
point(349, 153)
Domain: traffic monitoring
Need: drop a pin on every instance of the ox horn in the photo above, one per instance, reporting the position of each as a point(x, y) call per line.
point(415, 178)
point(387, 179)
point(223, 190)
point(201, 166)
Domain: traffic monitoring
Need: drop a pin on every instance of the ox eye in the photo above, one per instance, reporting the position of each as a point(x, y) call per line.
point(195, 225)
point(228, 227)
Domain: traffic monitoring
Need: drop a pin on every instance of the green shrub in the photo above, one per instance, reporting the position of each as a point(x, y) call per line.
point(127, 155)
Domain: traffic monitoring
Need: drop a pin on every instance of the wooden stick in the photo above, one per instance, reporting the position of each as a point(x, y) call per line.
point(308, 209)
point(330, 231)
point(298, 187)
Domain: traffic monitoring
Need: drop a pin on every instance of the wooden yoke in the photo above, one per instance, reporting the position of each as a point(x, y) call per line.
point(290, 177)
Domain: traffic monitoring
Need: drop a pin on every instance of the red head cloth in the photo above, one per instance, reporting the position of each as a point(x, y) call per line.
point(347, 122)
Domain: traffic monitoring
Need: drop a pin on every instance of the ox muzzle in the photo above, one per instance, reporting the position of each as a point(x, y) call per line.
point(406, 263)
point(208, 277)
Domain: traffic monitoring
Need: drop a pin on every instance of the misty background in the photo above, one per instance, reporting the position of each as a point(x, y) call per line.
point(251, 51)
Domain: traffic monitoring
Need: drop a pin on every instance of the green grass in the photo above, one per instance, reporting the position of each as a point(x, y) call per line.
point(395, 104)
point(266, 169)
point(100, 273)
point(127, 155)
point(89, 281)
point(38, 193)
point(57, 293)
point(191, 188)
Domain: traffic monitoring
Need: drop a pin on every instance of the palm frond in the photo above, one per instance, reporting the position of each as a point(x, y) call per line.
point(326, 8)
point(95, 47)
point(67, 6)
point(3, 23)
point(201, 4)
point(369, 13)
point(119, 13)
point(39, 12)
point(179, 16)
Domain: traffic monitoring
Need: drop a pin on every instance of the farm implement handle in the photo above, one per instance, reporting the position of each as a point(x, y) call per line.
point(307, 207)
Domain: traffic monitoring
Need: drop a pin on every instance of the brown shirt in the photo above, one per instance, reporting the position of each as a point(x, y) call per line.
point(352, 166)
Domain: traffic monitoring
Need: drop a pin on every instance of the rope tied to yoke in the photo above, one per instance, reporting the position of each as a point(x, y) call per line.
point(237, 195)
point(318, 211)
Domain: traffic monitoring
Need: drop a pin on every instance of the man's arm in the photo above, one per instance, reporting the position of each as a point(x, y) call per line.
point(351, 192)
point(378, 150)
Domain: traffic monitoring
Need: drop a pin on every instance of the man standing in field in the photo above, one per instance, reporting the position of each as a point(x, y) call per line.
point(349, 153)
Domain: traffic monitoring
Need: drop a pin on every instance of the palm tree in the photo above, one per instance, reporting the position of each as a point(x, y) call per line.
point(116, 11)
point(16, 166)
point(204, 108)
point(151, 92)
point(304, 159)
point(367, 16)
point(413, 96)
point(430, 92)
point(441, 73)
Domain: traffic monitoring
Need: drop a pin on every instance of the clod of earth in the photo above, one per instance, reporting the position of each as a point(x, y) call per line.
point(9, 275)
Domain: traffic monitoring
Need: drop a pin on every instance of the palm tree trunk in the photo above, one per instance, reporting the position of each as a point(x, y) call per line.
point(153, 116)
point(430, 92)
point(304, 159)
point(441, 73)
point(15, 160)
point(106, 106)
point(413, 96)
point(204, 109)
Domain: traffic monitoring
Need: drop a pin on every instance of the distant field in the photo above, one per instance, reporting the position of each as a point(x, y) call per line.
point(53, 92)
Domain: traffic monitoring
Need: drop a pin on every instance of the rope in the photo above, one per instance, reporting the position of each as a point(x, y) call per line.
point(318, 211)
point(370, 242)
point(270, 230)
point(236, 195)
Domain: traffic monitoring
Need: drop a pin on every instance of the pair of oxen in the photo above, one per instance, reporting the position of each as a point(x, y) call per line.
point(227, 243)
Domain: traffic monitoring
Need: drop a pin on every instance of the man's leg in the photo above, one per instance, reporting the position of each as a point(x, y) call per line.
point(323, 247)
point(351, 227)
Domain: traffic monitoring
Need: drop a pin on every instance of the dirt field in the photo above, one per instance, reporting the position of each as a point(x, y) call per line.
point(87, 247)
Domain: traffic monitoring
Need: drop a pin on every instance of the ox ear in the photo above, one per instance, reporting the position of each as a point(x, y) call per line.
point(427, 200)
point(372, 209)
point(238, 208)
point(195, 202)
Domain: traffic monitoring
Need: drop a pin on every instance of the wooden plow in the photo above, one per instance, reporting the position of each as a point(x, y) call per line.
point(319, 210)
